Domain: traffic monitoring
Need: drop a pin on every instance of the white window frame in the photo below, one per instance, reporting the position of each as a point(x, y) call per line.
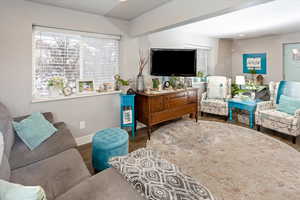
point(72, 32)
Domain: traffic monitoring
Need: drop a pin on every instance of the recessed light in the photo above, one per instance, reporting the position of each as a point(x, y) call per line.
point(122, 0)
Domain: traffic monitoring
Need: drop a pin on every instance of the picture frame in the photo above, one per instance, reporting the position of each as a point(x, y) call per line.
point(85, 86)
point(255, 61)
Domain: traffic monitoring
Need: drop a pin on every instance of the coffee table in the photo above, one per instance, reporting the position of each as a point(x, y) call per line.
point(248, 105)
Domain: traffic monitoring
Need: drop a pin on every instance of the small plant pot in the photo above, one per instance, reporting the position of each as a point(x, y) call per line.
point(124, 89)
point(54, 92)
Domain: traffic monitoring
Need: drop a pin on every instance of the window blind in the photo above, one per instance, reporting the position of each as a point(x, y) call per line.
point(72, 55)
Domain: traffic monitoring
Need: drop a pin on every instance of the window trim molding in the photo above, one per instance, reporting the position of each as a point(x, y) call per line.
point(73, 96)
point(75, 32)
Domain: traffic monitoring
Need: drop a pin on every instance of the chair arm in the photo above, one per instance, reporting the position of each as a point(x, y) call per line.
point(228, 97)
point(265, 105)
point(297, 113)
point(203, 96)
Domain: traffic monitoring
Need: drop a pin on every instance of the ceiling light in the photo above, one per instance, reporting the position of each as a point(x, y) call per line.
point(122, 0)
point(241, 35)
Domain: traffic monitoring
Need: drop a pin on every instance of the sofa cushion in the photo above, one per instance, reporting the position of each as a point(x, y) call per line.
point(56, 174)
point(6, 129)
point(4, 165)
point(34, 130)
point(107, 185)
point(61, 141)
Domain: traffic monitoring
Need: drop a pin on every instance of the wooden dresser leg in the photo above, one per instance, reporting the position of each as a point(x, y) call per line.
point(294, 139)
point(149, 132)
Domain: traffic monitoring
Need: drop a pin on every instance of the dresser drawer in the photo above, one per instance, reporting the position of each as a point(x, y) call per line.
point(176, 100)
point(156, 104)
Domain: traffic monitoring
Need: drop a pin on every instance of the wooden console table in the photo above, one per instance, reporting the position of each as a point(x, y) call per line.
point(152, 109)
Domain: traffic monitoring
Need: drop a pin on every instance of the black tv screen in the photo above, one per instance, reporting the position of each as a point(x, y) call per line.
point(173, 62)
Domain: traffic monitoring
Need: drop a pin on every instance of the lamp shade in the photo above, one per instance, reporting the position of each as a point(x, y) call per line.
point(240, 80)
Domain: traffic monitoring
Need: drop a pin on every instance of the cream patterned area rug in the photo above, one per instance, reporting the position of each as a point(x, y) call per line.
point(233, 162)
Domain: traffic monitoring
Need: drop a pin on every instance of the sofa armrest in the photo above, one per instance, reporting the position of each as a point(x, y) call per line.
point(60, 141)
point(264, 105)
point(48, 116)
point(203, 96)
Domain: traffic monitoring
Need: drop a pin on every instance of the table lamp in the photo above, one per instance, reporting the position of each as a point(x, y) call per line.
point(240, 80)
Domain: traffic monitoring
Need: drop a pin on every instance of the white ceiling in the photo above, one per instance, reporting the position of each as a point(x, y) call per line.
point(276, 17)
point(127, 10)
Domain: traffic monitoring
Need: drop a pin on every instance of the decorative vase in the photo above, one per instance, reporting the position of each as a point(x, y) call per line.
point(124, 89)
point(54, 91)
point(140, 84)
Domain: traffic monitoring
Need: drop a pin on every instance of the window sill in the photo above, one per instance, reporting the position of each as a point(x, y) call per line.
point(74, 96)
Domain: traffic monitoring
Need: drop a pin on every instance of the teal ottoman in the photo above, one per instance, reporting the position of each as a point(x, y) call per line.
point(107, 144)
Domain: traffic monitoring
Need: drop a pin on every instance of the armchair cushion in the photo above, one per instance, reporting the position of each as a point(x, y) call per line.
point(62, 140)
point(279, 117)
point(288, 105)
point(214, 106)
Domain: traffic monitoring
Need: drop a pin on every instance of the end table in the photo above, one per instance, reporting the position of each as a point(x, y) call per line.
point(249, 106)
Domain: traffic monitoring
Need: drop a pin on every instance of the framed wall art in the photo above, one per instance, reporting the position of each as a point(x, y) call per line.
point(257, 62)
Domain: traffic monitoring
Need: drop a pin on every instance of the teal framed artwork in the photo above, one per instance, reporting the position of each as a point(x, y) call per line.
point(256, 61)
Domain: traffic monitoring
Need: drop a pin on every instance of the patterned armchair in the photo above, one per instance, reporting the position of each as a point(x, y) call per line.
point(217, 106)
point(268, 117)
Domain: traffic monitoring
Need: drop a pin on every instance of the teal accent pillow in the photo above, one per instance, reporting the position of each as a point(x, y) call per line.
point(11, 191)
point(34, 130)
point(288, 104)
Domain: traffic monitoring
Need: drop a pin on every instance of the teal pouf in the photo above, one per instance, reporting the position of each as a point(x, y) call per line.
point(107, 144)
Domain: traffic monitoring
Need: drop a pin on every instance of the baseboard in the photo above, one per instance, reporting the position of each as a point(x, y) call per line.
point(84, 139)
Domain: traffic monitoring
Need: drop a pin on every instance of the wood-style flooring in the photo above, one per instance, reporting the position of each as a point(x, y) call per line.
point(141, 137)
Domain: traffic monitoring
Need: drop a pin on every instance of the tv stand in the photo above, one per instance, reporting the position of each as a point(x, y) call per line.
point(163, 106)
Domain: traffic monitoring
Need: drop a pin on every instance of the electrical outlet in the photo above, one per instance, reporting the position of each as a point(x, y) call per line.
point(82, 124)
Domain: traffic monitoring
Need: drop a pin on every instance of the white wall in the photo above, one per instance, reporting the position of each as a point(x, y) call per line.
point(224, 61)
point(16, 19)
point(175, 38)
point(272, 45)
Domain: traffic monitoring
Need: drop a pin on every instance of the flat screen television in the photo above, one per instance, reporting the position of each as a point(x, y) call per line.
point(173, 62)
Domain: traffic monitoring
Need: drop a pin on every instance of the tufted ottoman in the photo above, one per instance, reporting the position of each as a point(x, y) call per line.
point(106, 144)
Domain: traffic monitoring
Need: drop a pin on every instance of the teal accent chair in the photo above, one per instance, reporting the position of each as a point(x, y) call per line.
point(268, 116)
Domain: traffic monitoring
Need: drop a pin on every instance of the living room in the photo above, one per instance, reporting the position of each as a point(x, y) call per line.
point(225, 152)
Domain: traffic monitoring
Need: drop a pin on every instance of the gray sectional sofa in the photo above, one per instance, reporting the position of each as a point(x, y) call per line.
point(57, 166)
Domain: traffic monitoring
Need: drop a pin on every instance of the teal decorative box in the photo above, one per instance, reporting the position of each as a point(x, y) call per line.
point(106, 144)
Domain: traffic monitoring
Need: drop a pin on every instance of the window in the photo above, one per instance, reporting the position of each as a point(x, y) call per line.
point(202, 60)
point(72, 55)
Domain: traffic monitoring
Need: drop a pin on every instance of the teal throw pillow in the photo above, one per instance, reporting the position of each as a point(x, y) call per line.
point(34, 130)
point(11, 191)
point(288, 104)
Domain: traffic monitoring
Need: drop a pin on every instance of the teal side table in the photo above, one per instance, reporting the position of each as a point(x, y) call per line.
point(249, 106)
point(127, 114)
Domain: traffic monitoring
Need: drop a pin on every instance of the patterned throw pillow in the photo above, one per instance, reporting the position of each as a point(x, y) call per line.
point(158, 179)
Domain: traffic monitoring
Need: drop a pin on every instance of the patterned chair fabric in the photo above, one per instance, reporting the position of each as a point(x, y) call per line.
point(267, 116)
point(216, 106)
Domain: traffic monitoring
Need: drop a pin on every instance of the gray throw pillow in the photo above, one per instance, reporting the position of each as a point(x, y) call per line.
point(156, 178)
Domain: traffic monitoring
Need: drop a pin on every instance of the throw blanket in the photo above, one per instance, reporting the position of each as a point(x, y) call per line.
point(158, 179)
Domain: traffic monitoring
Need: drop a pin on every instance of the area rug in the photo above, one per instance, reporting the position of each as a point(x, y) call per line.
point(235, 163)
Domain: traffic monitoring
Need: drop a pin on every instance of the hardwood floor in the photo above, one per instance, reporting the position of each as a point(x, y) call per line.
point(141, 139)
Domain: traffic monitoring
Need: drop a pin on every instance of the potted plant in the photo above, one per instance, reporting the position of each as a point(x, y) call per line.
point(124, 85)
point(140, 78)
point(55, 86)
